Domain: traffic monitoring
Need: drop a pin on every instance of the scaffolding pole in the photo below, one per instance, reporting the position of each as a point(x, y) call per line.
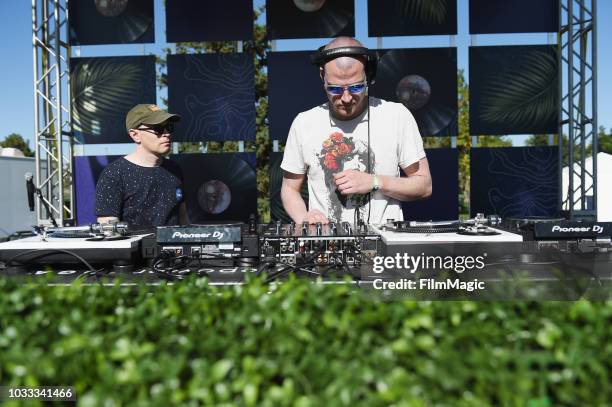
point(578, 108)
point(53, 141)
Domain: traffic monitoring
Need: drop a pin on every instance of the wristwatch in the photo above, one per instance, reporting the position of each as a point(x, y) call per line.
point(375, 184)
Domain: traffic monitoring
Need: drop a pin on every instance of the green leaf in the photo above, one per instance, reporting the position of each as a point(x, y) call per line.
point(221, 368)
point(513, 97)
point(103, 88)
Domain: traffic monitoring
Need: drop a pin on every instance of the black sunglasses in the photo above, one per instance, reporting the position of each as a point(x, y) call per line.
point(159, 129)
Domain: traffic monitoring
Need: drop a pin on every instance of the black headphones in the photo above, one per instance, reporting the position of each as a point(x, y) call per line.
point(323, 56)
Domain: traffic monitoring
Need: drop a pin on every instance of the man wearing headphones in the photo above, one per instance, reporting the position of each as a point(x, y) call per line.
point(352, 147)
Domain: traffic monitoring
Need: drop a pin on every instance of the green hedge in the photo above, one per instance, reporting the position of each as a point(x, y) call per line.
point(300, 344)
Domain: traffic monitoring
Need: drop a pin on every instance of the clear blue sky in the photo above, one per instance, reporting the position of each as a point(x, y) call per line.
point(17, 78)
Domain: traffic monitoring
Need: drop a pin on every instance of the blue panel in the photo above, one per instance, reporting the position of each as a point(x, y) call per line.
point(208, 20)
point(406, 17)
point(111, 22)
point(104, 90)
point(514, 181)
point(219, 187)
point(87, 170)
point(444, 201)
point(215, 96)
point(516, 16)
point(294, 86)
point(425, 81)
point(310, 18)
point(514, 90)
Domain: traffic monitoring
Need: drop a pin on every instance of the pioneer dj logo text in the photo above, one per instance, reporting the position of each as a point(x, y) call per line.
point(458, 264)
point(214, 235)
point(577, 229)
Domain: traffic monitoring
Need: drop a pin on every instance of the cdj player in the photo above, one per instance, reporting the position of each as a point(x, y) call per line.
point(217, 243)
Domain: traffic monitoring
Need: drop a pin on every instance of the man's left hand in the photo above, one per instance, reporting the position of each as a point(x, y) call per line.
point(353, 182)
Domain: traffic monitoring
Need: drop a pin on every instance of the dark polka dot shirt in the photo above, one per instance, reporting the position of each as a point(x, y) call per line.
point(144, 197)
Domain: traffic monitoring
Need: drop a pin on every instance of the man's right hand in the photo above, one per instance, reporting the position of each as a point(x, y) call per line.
point(315, 216)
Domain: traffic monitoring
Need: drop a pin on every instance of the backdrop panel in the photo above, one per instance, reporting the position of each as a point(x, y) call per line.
point(94, 22)
point(209, 20)
point(294, 86)
point(214, 94)
point(310, 18)
point(514, 89)
point(444, 201)
point(104, 90)
point(517, 16)
point(514, 181)
point(87, 170)
point(219, 187)
point(277, 211)
point(425, 81)
point(411, 17)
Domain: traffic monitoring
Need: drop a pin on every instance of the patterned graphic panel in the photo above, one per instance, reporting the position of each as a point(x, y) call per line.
point(95, 22)
point(444, 201)
point(514, 181)
point(294, 85)
point(310, 18)
point(516, 16)
point(277, 211)
point(425, 81)
point(411, 17)
point(87, 170)
point(219, 187)
point(214, 94)
point(513, 90)
point(104, 90)
point(208, 20)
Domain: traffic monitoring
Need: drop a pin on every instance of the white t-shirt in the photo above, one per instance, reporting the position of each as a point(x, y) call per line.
point(320, 145)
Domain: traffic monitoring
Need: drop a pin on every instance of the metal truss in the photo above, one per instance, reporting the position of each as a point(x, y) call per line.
point(51, 55)
point(578, 107)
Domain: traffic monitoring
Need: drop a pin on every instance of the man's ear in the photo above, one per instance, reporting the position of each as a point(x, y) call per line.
point(134, 135)
point(322, 74)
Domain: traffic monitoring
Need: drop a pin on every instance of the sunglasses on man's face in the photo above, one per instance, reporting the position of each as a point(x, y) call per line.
point(353, 89)
point(159, 129)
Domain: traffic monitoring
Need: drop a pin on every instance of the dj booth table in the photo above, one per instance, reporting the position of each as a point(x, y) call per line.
point(503, 282)
point(512, 267)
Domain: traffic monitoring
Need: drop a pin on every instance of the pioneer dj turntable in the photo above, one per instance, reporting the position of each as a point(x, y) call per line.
point(477, 226)
point(471, 235)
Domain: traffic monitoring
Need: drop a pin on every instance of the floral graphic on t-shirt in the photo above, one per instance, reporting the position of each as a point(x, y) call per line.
point(336, 149)
point(339, 153)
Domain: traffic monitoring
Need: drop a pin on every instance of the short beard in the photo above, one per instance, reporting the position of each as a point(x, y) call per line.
point(357, 110)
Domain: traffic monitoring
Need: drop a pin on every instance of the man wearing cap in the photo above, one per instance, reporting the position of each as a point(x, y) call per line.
point(352, 147)
point(143, 188)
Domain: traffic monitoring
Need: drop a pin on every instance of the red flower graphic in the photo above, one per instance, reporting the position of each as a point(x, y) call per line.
point(337, 137)
point(343, 149)
point(331, 164)
point(335, 150)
